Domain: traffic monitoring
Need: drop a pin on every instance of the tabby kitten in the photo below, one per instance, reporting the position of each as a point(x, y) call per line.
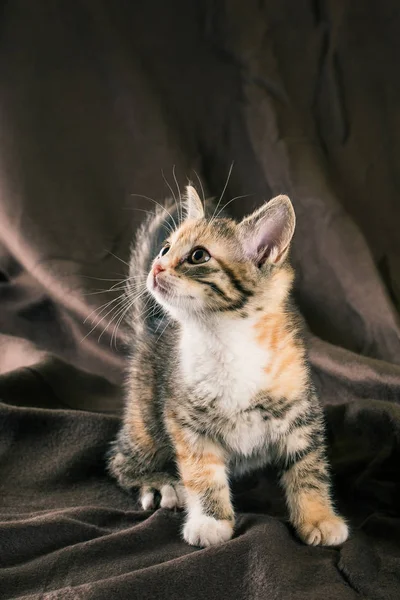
point(219, 383)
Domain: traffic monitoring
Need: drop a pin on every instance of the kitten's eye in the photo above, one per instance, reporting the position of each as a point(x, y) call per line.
point(199, 256)
point(165, 249)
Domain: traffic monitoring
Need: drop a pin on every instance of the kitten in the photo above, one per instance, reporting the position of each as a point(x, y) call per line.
point(219, 383)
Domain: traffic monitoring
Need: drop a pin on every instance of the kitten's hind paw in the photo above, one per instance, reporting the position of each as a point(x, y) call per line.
point(169, 496)
point(331, 531)
point(202, 530)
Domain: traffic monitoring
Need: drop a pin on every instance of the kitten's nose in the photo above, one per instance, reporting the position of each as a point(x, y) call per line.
point(157, 269)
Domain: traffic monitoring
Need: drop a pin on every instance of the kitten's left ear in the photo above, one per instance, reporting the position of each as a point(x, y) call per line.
point(267, 233)
point(192, 204)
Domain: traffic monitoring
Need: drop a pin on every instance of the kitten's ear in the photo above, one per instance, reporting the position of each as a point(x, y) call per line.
point(267, 233)
point(192, 204)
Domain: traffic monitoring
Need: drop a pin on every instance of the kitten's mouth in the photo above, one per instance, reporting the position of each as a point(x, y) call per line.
point(161, 287)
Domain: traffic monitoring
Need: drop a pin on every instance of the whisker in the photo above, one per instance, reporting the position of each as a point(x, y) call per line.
point(124, 310)
point(120, 299)
point(103, 291)
point(179, 192)
point(166, 225)
point(158, 204)
point(103, 307)
point(158, 326)
point(118, 258)
point(122, 282)
point(99, 278)
point(125, 301)
point(201, 187)
point(116, 287)
point(121, 308)
point(235, 198)
point(168, 323)
point(223, 191)
point(173, 195)
point(102, 319)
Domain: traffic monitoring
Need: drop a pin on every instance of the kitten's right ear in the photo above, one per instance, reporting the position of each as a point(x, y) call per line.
point(267, 233)
point(192, 204)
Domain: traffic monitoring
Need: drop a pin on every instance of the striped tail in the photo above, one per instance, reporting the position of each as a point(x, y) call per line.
point(145, 312)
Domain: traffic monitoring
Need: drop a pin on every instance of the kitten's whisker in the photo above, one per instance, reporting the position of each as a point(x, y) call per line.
point(102, 319)
point(115, 332)
point(158, 204)
point(103, 291)
point(127, 300)
point(103, 307)
point(99, 278)
point(146, 312)
point(173, 195)
point(120, 285)
point(123, 307)
point(120, 300)
point(135, 295)
point(229, 201)
point(122, 282)
point(118, 258)
point(166, 226)
point(122, 310)
point(114, 310)
point(161, 334)
point(158, 326)
point(223, 191)
point(201, 187)
point(179, 192)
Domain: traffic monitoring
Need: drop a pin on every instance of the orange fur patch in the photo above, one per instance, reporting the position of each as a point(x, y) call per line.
point(197, 466)
point(139, 430)
point(314, 509)
point(286, 367)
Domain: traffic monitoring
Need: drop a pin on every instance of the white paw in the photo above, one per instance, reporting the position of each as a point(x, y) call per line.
point(147, 499)
point(172, 496)
point(329, 532)
point(206, 531)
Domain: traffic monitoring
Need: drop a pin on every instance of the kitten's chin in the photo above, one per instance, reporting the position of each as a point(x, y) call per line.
point(157, 288)
point(160, 292)
point(181, 308)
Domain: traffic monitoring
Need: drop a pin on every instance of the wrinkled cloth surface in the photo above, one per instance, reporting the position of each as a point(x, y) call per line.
point(102, 104)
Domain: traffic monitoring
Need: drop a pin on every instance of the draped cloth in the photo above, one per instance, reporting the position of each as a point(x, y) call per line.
point(105, 106)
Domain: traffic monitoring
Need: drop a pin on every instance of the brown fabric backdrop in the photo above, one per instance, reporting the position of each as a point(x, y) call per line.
point(97, 101)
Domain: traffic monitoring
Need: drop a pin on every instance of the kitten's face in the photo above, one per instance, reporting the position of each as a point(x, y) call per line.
point(219, 266)
point(202, 268)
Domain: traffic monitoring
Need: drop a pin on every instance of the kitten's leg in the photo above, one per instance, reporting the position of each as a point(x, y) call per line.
point(306, 481)
point(201, 462)
point(145, 467)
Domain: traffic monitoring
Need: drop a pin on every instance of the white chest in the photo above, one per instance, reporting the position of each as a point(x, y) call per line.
point(225, 365)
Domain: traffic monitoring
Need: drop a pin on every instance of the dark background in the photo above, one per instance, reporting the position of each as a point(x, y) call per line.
point(99, 101)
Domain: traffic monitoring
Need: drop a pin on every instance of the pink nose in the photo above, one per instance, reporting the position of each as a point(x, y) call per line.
point(157, 269)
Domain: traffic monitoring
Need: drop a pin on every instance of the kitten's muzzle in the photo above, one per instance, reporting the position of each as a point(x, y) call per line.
point(157, 269)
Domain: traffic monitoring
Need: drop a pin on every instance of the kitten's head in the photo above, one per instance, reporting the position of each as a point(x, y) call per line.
point(209, 266)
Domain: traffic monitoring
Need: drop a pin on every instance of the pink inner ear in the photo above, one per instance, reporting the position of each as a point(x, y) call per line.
point(267, 233)
point(262, 254)
point(267, 238)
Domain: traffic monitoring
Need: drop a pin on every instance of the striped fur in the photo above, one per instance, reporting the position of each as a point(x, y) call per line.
point(219, 382)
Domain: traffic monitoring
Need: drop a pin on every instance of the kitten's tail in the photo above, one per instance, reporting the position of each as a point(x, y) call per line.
point(145, 311)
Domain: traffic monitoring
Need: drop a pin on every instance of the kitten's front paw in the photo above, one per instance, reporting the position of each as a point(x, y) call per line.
point(331, 531)
point(206, 531)
point(171, 496)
